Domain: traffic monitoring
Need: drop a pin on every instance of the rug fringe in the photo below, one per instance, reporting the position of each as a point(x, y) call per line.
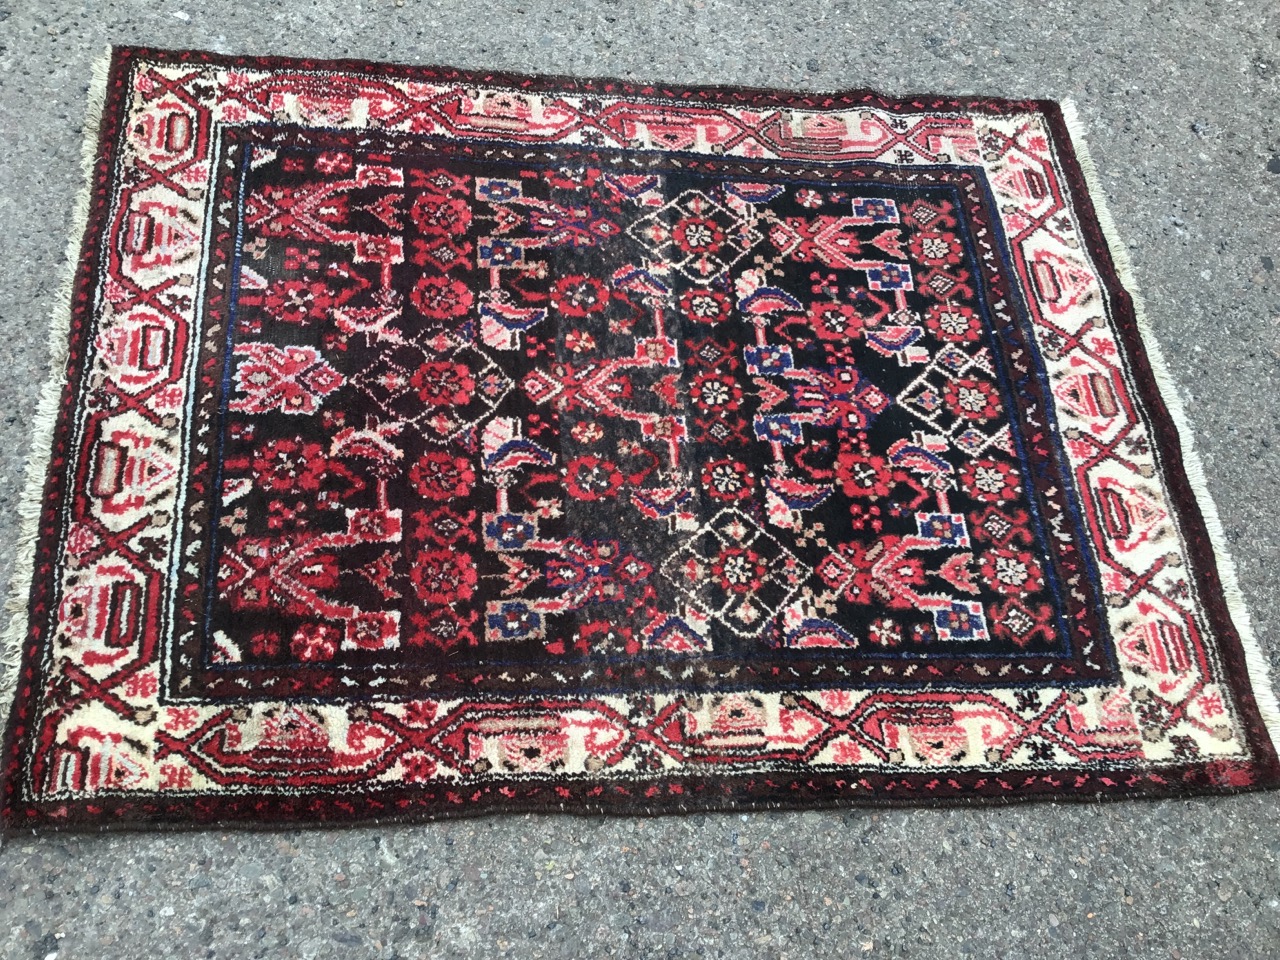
point(1255, 659)
point(46, 415)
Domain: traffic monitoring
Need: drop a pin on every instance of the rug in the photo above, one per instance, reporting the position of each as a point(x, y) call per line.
point(426, 443)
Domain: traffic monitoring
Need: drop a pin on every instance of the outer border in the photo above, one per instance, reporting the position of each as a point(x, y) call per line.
point(1242, 659)
point(53, 393)
point(1259, 671)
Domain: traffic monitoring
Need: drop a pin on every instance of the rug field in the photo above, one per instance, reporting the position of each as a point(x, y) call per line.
point(425, 443)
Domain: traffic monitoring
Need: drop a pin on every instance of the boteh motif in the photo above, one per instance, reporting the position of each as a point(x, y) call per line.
point(447, 442)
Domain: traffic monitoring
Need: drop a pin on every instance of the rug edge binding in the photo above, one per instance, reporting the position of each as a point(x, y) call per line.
point(1259, 670)
point(40, 449)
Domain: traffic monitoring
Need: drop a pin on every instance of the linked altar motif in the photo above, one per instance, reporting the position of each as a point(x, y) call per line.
point(439, 442)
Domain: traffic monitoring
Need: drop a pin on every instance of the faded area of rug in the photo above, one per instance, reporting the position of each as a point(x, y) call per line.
point(432, 443)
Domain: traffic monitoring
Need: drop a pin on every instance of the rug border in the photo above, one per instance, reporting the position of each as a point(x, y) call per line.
point(1239, 649)
point(1258, 669)
point(42, 435)
point(1178, 462)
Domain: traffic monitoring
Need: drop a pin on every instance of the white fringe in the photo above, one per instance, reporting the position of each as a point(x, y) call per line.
point(1255, 660)
point(46, 416)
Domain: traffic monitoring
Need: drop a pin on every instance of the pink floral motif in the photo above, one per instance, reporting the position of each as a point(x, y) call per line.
point(282, 379)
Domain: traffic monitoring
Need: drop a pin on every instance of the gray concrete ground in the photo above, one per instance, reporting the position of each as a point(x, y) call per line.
point(1183, 101)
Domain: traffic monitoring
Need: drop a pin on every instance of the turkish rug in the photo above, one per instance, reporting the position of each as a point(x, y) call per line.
point(426, 443)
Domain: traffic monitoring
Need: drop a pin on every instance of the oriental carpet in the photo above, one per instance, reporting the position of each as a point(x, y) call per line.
point(425, 443)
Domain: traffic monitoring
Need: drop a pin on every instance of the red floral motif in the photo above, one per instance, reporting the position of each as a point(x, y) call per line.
point(885, 632)
point(440, 298)
point(258, 584)
point(419, 713)
point(1021, 623)
point(591, 478)
point(716, 391)
point(990, 480)
point(372, 631)
point(972, 399)
point(315, 642)
point(705, 306)
point(287, 465)
point(739, 570)
point(835, 321)
point(698, 235)
point(936, 247)
point(953, 323)
point(1002, 527)
point(298, 301)
point(854, 569)
point(287, 211)
point(930, 215)
point(587, 431)
point(443, 383)
point(605, 636)
point(579, 296)
point(418, 767)
point(864, 474)
point(442, 476)
point(443, 576)
point(1011, 571)
point(436, 214)
point(333, 161)
point(530, 751)
point(727, 480)
point(441, 628)
point(946, 284)
point(810, 199)
point(570, 178)
point(597, 571)
point(579, 341)
point(445, 527)
point(264, 643)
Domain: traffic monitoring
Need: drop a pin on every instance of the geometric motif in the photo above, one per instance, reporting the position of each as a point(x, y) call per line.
point(501, 443)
